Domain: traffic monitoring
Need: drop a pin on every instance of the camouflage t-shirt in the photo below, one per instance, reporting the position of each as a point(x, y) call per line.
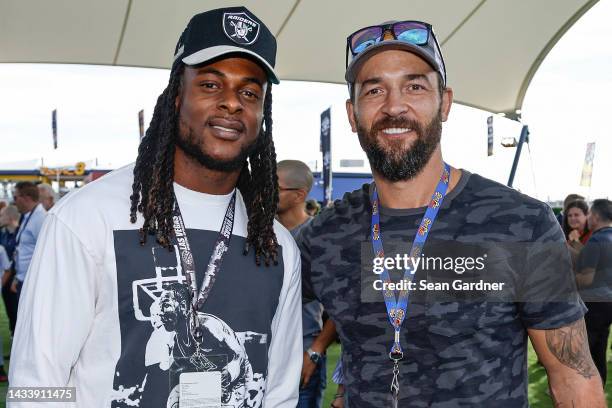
point(457, 352)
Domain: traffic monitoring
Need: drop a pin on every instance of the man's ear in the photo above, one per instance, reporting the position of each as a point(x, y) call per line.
point(447, 101)
point(350, 111)
point(302, 195)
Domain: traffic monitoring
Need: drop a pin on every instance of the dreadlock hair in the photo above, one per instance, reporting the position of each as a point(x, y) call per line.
point(152, 189)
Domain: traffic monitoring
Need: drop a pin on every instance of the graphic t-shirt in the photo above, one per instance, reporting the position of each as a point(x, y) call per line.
point(110, 317)
point(457, 352)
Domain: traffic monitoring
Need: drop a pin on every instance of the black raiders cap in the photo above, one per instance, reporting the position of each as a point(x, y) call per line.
point(227, 30)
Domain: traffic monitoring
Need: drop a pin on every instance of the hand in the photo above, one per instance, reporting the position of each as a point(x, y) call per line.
point(14, 286)
point(308, 369)
point(574, 235)
point(338, 401)
point(6, 276)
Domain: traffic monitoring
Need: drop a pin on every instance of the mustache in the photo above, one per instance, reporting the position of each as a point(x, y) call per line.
point(396, 122)
point(228, 121)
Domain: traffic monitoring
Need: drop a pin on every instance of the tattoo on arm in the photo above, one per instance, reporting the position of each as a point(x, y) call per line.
point(571, 347)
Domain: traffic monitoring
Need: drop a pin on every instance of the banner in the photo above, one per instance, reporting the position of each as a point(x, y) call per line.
point(587, 168)
point(326, 172)
point(141, 123)
point(490, 136)
point(54, 127)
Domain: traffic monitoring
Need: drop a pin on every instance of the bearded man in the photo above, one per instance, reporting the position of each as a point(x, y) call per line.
point(412, 347)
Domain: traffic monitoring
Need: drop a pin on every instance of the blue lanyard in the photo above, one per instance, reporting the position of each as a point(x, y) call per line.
point(396, 309)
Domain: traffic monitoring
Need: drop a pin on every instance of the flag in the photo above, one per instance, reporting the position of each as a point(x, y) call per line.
point(326, 151)
point(141, 123)
point(490, 136)
point(54, 127)
point(587, 168)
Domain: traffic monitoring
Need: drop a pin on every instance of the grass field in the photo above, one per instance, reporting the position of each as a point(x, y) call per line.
point(538, 397)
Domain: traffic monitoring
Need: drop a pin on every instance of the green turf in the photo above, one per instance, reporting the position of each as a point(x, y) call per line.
point(333, 353)
point(538, 386)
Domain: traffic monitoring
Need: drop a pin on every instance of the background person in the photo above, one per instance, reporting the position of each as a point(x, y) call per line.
point(294, 183)
point(9, 223)
point(32, 217)
point(338, 379)
point(47, 195)
point(575, 226)
point(594, 279)
point(568, 199)
point(5, 266)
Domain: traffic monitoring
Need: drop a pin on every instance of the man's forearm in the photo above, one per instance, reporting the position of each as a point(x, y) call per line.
point(325, 338)
point(580, 390)
point(567, 392)
point(572, 375)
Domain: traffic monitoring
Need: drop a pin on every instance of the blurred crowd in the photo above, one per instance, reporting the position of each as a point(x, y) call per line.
point(588, 232)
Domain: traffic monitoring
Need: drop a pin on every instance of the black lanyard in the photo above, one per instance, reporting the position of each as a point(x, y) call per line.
point(23, 226)
point(214, 263)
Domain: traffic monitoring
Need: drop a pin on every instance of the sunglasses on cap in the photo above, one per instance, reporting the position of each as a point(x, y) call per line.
point(417, 36)
point(410, 32)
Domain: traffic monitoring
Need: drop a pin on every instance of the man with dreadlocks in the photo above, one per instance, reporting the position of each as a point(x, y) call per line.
point(168, 282)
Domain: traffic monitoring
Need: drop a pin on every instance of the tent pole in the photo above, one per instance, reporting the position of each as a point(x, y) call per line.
point(524, 138)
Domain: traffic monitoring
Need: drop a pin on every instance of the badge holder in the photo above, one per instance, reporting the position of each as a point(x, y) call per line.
point(197, 381)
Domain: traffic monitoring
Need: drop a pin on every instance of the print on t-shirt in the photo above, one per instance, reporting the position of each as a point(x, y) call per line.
point(157, 345)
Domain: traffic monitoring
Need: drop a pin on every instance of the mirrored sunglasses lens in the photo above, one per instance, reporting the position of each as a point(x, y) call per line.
point(365, 38)
point(412, 33)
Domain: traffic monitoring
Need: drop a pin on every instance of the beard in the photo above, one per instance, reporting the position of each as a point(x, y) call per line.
point(396, 162)
point(195, 148)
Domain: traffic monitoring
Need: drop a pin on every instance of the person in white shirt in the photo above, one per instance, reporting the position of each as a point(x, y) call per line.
point(168, 282)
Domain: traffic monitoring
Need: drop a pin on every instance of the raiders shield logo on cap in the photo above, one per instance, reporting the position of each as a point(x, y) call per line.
point(240, 28)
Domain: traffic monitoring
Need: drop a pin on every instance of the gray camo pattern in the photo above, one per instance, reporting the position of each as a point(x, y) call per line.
point(457, 354)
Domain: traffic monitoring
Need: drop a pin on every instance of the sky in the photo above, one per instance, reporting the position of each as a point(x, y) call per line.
point(566, 107)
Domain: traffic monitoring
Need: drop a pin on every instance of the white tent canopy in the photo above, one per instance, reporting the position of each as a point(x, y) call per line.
point(492, 47)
